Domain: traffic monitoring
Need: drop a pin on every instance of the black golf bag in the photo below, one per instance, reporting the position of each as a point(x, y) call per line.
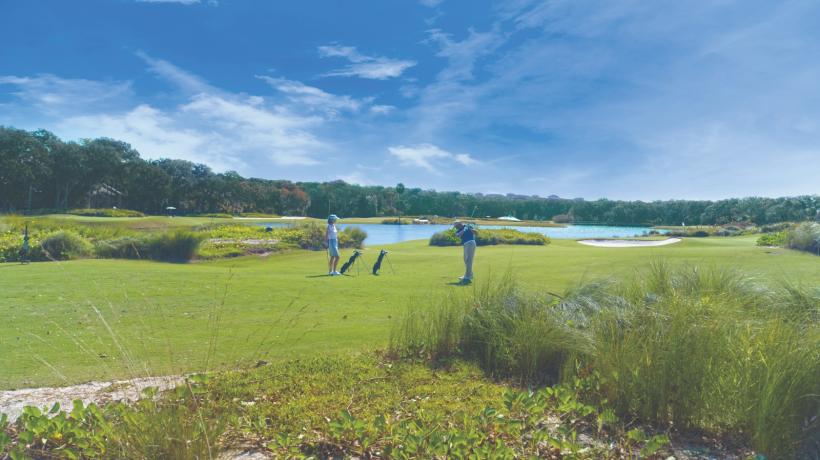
point(346, 266)
point(378, 265)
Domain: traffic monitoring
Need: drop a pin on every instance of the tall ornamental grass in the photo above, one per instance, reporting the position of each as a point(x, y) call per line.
point(805, 237)
point(691, 348)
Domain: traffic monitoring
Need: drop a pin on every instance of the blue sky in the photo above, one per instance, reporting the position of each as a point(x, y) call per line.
point(624, 100)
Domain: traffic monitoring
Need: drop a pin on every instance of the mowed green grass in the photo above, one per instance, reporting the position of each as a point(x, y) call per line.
point(68, 322)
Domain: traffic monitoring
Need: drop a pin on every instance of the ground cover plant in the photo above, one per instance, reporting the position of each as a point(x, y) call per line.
point(488, 237)
point(364, 406)
point(691, 348)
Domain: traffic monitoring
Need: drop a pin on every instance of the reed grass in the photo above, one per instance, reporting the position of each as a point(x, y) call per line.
point(690, 348)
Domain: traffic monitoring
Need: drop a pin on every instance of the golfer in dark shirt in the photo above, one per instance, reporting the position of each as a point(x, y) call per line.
point(467, 235)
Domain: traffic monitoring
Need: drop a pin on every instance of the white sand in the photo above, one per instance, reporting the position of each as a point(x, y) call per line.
point(629, 243)
point(12, 402)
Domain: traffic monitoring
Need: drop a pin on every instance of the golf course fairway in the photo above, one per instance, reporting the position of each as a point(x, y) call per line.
point(70, 322)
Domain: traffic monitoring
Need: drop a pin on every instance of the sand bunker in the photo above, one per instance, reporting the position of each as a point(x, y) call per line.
point(629, 243)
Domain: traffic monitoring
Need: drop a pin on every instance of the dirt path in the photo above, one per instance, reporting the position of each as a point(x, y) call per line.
point(12, 402)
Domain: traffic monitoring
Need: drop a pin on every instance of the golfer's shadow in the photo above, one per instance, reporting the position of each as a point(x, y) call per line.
point(325, 276)
point(458, 283)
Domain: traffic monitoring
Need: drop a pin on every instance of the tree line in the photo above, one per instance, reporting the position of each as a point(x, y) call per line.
point(39, 171)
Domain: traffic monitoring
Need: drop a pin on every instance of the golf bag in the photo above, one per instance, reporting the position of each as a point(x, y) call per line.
point(346, 266)
point(378, 265)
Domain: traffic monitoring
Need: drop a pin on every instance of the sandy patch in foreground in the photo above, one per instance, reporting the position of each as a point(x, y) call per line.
point(12, 402)
point(629, 243)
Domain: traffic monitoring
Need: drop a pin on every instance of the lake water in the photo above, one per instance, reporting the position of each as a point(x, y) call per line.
point(388, 234)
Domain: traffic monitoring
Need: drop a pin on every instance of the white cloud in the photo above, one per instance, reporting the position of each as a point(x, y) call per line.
point(52, 94)
point(312, 97)
point(462, 55)
point(370, 67)
point(209, 125)
point(426, 155)
point(273, 132)
point(185, 80)
point(464, 159)
point(356, 177)
point(383, 109)
point(431, 3)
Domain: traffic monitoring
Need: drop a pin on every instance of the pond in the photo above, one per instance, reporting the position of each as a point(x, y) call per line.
point(388, 234)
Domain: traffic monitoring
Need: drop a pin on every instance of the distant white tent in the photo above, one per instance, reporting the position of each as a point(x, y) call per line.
point(509, 218)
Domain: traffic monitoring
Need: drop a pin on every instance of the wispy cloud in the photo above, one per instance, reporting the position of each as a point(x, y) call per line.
point(210, 125)
point(363, 66)
point(427, 156)
point(431, 3)
point(383, 109)
point(314, 98)
point(184, 80)
point(52, 94)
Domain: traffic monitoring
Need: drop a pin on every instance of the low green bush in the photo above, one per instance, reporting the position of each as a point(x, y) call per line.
point(772, 239)
point(106, 212)
point(62, 245)
point(486, 237)
point(312, 236)
point(352, 237)
point(396, 221)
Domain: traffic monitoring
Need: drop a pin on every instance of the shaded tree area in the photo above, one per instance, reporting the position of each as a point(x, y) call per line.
point(39, 171)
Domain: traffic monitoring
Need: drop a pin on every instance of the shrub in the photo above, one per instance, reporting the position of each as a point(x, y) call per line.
point(352, 237)
point(562, 219)
point(445, 238)
point(805, 237)
point(62, 245)
point(106, 212)
point(773, 228)
point(772, 239)
point(491, 237)
point(173, 246)
point(396, 221)
point(312, 236)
